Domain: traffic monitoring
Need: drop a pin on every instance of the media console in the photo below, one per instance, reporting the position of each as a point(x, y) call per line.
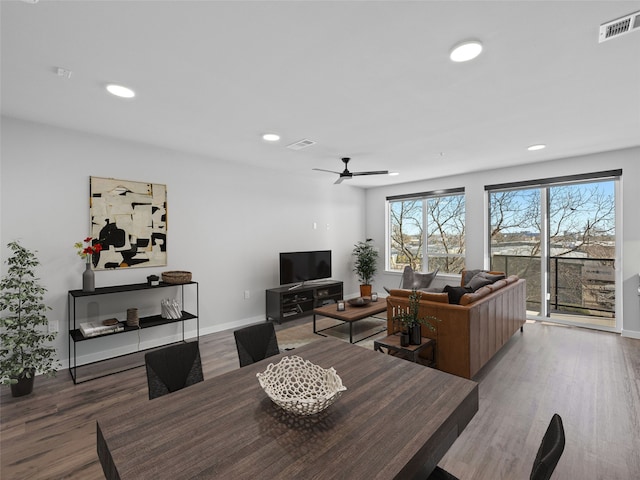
point(284, 303)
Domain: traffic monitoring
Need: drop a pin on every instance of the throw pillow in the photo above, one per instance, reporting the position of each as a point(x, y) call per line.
point(469, 274)
point(492, 276)
point(456, 293)
point(478, 281)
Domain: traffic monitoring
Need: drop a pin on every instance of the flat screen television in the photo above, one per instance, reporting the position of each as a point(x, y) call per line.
point(300, 267)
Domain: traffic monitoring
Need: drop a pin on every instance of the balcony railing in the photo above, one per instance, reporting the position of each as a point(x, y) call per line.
point(580, 286)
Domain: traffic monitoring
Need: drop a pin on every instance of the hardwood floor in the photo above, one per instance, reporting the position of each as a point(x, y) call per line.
point(592, 379)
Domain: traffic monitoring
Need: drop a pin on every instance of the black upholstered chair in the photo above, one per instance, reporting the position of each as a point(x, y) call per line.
point(173, 368)
point(546, 460)
point(256, 342)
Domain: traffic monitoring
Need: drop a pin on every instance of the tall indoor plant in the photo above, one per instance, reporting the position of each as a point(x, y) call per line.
point(23, 324)
point(365, 265)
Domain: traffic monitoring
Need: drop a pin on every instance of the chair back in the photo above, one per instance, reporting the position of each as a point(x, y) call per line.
point(256, 342)
point(412, 279)
point(550, 450)
point(172, 368)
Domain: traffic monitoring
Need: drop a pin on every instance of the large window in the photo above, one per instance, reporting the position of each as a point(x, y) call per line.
point(426, 231)
point(559, 234)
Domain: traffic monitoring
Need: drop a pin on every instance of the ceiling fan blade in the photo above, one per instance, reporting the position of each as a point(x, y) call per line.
point(339, 180)
point(379, 172)
point(328, 171)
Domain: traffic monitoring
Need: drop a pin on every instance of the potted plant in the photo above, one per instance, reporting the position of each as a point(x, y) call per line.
point(23, 334)
point(365, 265)
point(411, 321)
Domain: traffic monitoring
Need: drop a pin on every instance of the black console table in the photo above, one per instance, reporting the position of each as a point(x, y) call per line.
point(124, 362)
point(289, 302)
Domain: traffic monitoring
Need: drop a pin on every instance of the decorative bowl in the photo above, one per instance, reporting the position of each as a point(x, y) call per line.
point(299, 386)
point(359, 302)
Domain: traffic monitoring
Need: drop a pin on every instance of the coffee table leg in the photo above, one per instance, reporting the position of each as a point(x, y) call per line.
point(314, 323)
point(350, 332)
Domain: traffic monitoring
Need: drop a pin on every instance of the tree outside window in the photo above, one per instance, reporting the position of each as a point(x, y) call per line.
point(442, 242)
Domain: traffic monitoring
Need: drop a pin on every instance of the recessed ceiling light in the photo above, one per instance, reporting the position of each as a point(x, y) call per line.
point(394, 174)
point(120, 91)
point(466, 51)
point(271, 137)
point(533, 148)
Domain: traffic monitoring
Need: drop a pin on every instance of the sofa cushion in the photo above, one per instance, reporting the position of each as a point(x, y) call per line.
point(497, 285)
point(455, 293)
point(438, 297)
point(469, 298)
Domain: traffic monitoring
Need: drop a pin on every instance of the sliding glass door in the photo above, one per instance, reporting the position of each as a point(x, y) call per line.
point(561, 238)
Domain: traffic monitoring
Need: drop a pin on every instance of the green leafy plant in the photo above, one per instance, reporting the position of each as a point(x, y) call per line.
point(410, 316)
point(23, 333)
point(365, 264)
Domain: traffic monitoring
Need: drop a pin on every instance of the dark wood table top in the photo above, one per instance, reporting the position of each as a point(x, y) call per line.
point(395, 421)
point(351, 313)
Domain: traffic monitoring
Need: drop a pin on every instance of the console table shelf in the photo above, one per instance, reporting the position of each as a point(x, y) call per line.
point(76, 336)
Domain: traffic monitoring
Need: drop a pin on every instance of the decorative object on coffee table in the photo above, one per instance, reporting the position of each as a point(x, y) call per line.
point(299, 386)
point(176, 277)
point(410, 320)
point(365, 265)
point(359, 301)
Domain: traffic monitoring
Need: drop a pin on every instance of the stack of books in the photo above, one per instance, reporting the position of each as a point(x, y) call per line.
point(93, 329)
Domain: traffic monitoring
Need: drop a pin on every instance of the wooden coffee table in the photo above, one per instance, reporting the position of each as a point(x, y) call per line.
point(350, 314)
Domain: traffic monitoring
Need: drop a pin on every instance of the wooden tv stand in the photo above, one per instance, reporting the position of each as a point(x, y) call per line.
point(286, 303)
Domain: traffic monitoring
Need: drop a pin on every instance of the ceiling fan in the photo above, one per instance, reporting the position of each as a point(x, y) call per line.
point(346, 174)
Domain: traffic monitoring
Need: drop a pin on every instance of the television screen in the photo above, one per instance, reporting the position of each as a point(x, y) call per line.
point(304, 266)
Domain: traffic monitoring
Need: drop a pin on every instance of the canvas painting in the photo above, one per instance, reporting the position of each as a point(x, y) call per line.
point(130, 221)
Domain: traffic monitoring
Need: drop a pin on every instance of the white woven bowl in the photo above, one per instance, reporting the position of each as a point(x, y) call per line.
point(299, 386)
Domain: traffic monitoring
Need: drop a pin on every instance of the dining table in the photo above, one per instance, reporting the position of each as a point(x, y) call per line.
point(395, 420)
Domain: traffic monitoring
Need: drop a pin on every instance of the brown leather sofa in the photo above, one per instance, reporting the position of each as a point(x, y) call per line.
point(468, 335)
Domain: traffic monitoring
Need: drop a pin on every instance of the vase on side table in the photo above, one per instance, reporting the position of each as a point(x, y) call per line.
point(88, 277)
point(415, 334)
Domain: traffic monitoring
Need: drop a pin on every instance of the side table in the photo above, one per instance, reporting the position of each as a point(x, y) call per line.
point(392, 344)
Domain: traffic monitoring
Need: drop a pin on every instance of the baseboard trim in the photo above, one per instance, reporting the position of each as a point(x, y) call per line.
point(630, 334)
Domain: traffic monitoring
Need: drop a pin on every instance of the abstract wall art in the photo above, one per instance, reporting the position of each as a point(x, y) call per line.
point(129, 219)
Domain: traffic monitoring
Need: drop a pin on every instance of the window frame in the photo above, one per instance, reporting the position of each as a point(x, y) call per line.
point(424, 197)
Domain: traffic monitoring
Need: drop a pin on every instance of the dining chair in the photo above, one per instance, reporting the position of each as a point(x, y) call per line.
point(256, 342)
point(173, 368)
point(546, 460)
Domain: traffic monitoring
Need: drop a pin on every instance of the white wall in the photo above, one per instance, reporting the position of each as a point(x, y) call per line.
point(476, 209)
point(226, 223)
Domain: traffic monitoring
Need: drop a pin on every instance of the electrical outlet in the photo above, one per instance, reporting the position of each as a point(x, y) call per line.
point(247, 294)
point(53, 326)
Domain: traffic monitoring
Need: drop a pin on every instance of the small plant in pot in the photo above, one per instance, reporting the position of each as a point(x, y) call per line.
point(23, 324)
point(365, 265)
point(411, 321)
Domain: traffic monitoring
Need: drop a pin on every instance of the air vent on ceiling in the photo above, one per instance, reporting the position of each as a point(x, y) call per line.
point(620, 26)
point(299, 145)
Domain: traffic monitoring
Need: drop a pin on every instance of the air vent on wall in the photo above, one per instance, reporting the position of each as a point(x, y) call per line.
point(620, 26)
point(299, 145)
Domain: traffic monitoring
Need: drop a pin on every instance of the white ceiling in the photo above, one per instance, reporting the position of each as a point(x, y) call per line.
point(366, 79)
